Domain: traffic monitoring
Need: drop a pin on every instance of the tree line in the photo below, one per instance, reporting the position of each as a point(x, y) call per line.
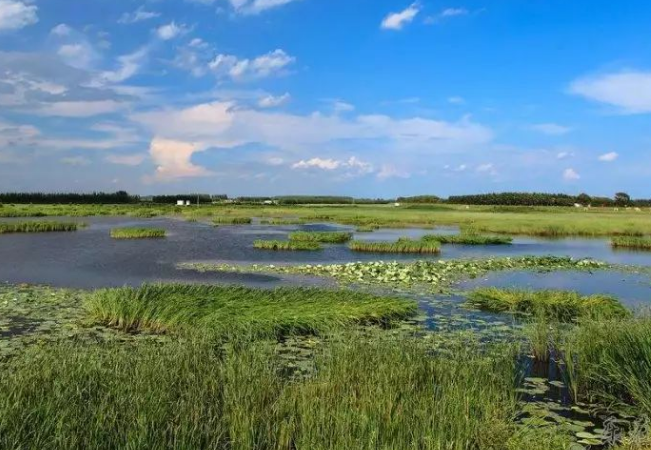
point(118, 197)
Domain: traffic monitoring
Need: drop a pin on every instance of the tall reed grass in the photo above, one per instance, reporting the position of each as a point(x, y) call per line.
point(38, 227)
point(363, 394)
point(225, 220)
point(468, 239)
point(286, 245)
point(636, 243)
point(403, 245)
point(137, 233)
point(610, 362)
point(229, 310)
point(325, 237)
point(564, 306)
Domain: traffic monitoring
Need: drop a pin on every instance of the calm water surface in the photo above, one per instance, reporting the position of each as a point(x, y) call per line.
point(90, 258)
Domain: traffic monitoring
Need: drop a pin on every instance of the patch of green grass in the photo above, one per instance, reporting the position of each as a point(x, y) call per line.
point(286, 245)
point(637, 243)
point(137, 233)
point(403, 245)
point(325, 237)
point(363, 394)
point(468, 239)
point(229, 310)
point(610, 362)
point(367, 228)
point(564, 306)
point(38, 227)
point(281, 221)
point(231, 220)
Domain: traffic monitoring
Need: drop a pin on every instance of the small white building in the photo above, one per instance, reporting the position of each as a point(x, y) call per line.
point(180, 202)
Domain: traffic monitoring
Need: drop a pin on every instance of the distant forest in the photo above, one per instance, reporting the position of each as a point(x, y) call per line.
point(620, 199)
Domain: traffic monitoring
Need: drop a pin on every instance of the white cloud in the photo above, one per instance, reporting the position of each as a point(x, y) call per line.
point(173, 160)
point(138, 15)
point(453, 12)
point(80, 108)
point(351, 167)
point(629, 91)
point(79, 55)
point(456, 100)
point(563, 155)
point(126, 160)
point(61, 30)
point(551, 129)
point(272, 63)
point(128, 66)
point(390, 171)
point(170, 31)
point(271, 101)
point(317, 163)
point(609, 157)
point(397, 20)
point(255, 6)
point(488, 167)
point(15, 15)
point(571, 175)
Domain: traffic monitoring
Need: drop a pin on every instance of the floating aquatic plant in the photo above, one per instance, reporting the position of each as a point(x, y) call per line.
point(325, 237)
point(286, 245)
point(137, 233)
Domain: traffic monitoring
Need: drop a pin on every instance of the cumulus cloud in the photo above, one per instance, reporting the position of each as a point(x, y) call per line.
point(170, 31)
point(139, 15)
point(397, 20)
point(173, 160)
point(126, 160)
point(571, 175)
point(628, 91)
point(15, 15)
point(128, 66)
point(61, 30)
point(609, 157)
point(551, 129)
point(272, 63)
point(318, 163)
point(272, 101)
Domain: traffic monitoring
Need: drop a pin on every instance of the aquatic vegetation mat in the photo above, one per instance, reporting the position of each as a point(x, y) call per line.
point(38, 227)
point(403, 245)
point(262, 244)
point(324, 237)
point(564, 306)
point(232, 310)
point(436, 275)
point(137, 233)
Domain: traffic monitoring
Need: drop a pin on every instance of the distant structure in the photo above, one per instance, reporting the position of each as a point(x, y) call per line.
point(183, 203)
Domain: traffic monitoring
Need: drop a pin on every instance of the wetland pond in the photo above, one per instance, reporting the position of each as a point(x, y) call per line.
point(89, 258)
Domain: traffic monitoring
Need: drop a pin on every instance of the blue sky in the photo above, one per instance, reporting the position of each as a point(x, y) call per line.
point(371, 98)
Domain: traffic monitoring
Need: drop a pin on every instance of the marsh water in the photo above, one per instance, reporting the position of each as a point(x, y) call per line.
point(89, 258)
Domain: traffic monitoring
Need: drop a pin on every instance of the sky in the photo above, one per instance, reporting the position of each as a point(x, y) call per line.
point(370, 98)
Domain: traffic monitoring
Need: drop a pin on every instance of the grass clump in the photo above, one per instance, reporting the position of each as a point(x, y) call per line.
point(228, 310)
point(469, 239)
point(281, 221)
point(367, 228)
point(232, 220)
point(38, 227)
point(403, 245)
point(637, 243)
point(364, 394)
point(137, 233)
point(286, 245)
point(564, 306)
point(325, 237)
point(610, 362)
